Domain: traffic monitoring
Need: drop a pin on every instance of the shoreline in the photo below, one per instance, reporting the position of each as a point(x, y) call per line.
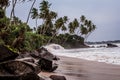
point(79, 69)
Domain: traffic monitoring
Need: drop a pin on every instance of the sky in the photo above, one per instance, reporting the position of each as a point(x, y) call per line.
point(105, 14)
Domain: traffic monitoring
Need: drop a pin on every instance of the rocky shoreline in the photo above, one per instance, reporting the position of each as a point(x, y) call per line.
point(27, 65)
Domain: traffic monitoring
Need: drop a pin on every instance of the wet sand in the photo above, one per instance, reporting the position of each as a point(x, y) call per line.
point(78, 69)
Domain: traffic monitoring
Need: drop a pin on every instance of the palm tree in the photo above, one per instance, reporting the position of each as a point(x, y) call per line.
point(90, 30)
point(75, 25)
point(49, 21)
point(12, 15)
point(30, 9)
point(47, 16)
point(59, 25)
point(44, 8)
point(35, 15)
point(71, 28)
point(82, 18)
point(84, 30)
point(87, 27)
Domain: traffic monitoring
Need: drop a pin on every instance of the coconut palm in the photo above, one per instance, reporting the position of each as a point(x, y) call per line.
point(87, 27)
point(59, 25)
point(84, 30)
point(82, 18)
point(12, 15)
point(90, 30)
point(30, 9)
point(35, 15)
point(65, 20)
point(71, 27)
point(47, 16)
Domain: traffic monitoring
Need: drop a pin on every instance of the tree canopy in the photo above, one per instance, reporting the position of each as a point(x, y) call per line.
point(53, 29)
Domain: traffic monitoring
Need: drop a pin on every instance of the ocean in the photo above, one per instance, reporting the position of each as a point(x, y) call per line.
point(100, 54)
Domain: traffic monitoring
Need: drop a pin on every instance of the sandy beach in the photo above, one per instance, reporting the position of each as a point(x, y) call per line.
point(79, 69)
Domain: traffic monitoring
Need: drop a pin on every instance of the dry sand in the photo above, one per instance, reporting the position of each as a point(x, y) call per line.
point(78, 69)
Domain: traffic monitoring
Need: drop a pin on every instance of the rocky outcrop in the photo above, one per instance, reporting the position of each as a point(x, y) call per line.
point(17, 70)
point(46, 61)
point(26, 76)
point(111, 45)
point(47, 65)
point(6, 54)
point(42, 57)
point(56, 77)
point(26, 65)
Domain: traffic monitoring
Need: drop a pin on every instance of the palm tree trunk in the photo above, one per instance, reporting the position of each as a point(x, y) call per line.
point(65, 40)
point(52, 37)
point(13, 9)
point(30, 11)
point(36, 23)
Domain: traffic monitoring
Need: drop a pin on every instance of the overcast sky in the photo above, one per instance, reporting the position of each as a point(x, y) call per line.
point(105, 14)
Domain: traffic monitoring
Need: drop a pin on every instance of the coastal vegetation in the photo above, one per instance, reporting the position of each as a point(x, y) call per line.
point(19, 36)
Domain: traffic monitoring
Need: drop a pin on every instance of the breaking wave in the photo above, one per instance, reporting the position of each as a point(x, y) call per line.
point(107, 55)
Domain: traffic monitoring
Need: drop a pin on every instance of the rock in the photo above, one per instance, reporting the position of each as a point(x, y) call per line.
point(42, 57)
point(56, 58)
point(27, 59)
point(56, 77)
point(35, 54)
point(44, 77)
point(47, 65)
point(17, 70)
point(46, 60)
point(111, 45)
point(6, 54)
point(26, 76)
point(34, 65)
point(30, 76)
point(23, 55)
point(46, 54)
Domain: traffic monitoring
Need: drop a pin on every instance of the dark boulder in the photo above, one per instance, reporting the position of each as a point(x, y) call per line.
point(42, 57)
point(46, 60)
point(6, 54)
point(17, 70)
point(26, 76)
point(111, 45)
point(44, 53)
point(56, 77)
point(27, 59)
point(30, 76)
point(35, 54)
point(56, 58)
point(47, 65)
point(23, 55)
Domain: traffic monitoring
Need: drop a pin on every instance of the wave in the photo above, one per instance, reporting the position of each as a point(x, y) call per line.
point(107, 55)
point(54, 48)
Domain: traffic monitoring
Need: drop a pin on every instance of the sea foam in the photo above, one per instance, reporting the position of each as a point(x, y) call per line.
point(107, 55)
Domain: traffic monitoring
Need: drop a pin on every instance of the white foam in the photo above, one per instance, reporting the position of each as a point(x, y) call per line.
point(53, 48)
point(107, 55)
